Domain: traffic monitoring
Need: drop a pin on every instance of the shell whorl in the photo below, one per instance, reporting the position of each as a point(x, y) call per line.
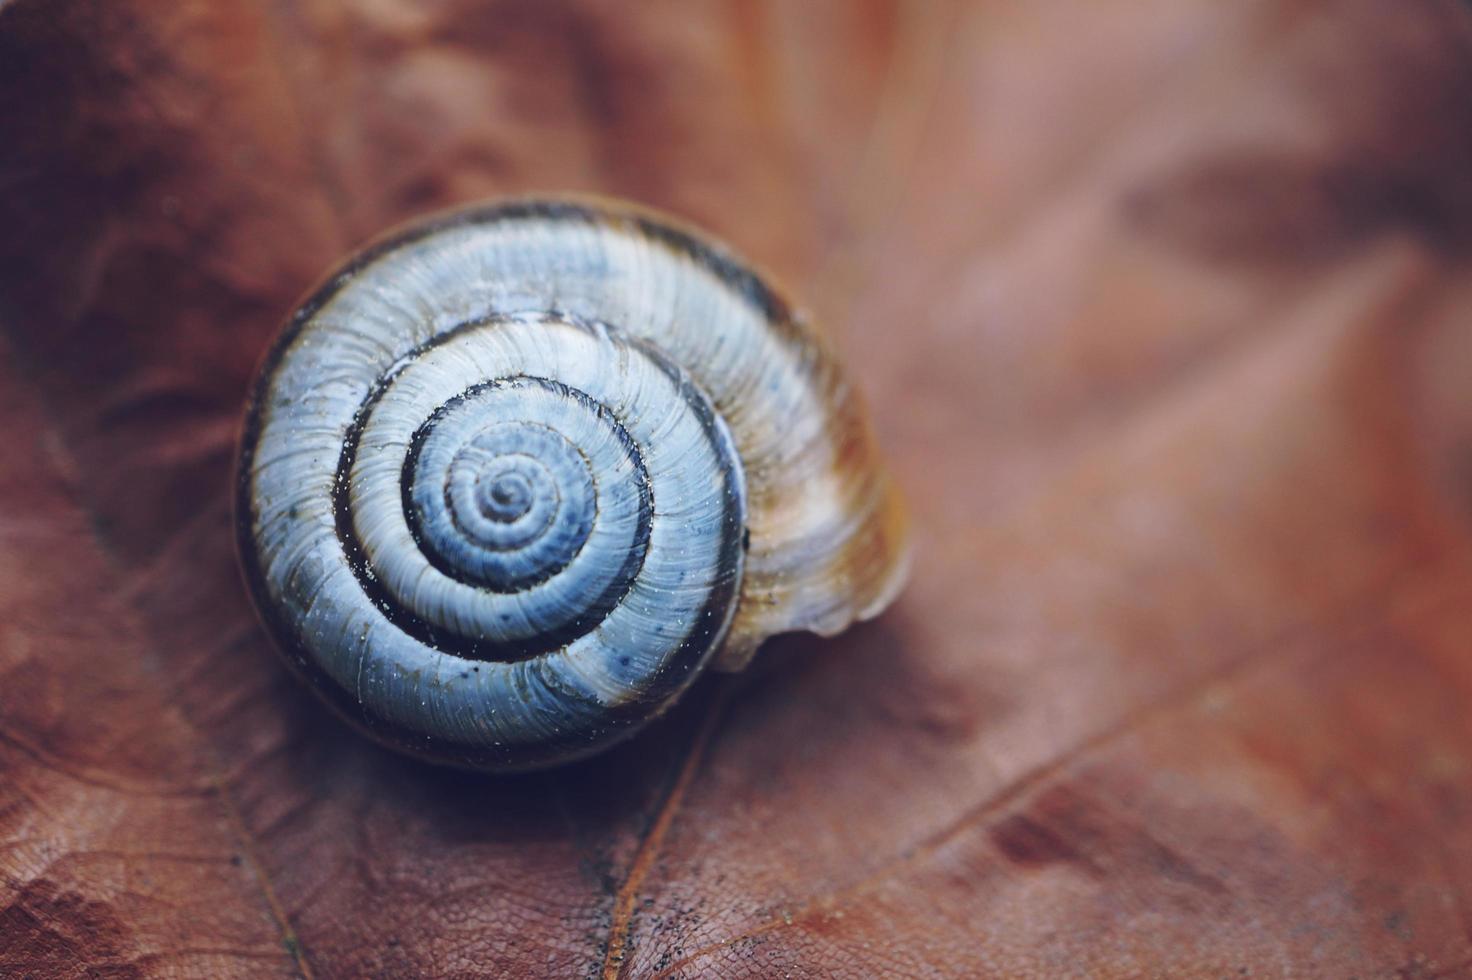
point(513, 477)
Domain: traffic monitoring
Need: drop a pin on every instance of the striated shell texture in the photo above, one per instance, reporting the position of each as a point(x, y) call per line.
point(515, 475)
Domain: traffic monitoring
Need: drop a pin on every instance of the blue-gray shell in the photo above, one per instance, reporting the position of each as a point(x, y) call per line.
point(514, 476)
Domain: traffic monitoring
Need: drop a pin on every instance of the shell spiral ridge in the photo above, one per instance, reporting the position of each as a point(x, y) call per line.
point(495, 494)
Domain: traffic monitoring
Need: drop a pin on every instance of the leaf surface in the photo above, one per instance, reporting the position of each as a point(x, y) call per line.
point(1161, 307)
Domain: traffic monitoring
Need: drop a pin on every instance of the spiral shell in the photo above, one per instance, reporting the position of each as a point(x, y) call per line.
point(514, 476)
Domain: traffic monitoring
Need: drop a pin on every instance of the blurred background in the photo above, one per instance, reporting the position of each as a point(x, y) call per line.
point(1162, 310)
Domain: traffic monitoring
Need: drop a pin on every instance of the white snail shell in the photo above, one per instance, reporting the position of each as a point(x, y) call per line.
point(512, 477)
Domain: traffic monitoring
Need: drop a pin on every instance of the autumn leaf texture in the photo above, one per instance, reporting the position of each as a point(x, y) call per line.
point(1164, 315)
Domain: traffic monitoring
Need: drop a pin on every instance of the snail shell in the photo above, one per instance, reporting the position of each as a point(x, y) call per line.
point(512, 477)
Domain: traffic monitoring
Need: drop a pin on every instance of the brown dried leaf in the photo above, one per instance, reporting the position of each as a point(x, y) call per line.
point(1163, 307)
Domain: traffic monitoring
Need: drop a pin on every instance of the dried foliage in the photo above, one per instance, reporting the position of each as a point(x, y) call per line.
point(1163, 307)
